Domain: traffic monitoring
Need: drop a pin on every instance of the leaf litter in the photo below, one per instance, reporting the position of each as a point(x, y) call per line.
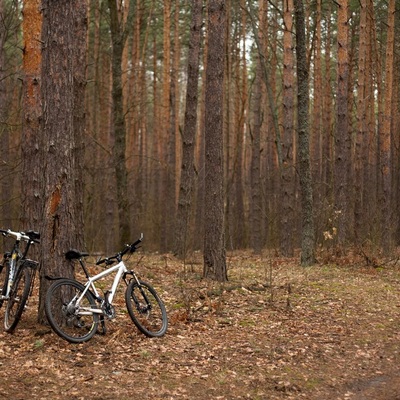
point(274, 331)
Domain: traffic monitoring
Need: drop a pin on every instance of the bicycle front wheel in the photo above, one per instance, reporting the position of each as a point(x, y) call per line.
point(146, 309)
point(69, 311)
point(4, 272)
point(19, 294)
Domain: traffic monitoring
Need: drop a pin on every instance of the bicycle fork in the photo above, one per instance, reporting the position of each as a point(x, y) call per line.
point(5, 295)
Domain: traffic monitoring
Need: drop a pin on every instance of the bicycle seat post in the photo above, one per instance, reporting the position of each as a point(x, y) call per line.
point(84, 268)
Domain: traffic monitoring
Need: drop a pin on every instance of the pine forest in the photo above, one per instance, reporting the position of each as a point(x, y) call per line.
point(310, 133)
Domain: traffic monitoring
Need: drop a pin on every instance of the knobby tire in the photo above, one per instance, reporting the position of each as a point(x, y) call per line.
point(146, 309)
point(63, 315)
point(19, 294)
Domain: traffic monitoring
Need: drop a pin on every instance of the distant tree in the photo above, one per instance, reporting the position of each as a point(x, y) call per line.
point(4, 129)
point(64, 41)
point(342, 135)
point(287, 193)
point(360, 144)
point(119, 34)
point(307, 235)
point(256, 236)
point(186, 187)
point(214, 237)
point(385, 136)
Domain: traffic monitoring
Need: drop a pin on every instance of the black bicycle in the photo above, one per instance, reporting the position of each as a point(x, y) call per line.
point(18, 274)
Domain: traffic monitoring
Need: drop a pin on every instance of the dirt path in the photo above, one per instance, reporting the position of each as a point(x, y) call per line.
point(275, 331)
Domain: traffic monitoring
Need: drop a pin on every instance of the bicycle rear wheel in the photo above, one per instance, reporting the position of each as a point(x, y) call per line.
point(146, 309)
point(19, 294)
point(74, 322)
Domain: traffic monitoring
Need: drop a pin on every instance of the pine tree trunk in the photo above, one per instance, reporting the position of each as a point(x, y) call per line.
point(186, 188)
point(359, 212)
point(31, 146)
point(385, 138)
point(214, 238)
point(63, 36)
point(119, 128)
point(342, 135)
point(287, 200)
point(308, 235)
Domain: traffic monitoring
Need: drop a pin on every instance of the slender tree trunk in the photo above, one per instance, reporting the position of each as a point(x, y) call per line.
point(308, 234)
point(255, 179)
point(6, 184)
point(186, 189)
point(165, 129)
point(317, 117)
point(327, 143)
point(287, 199)
point(63, 36)
point(214, 238)
point(342, 137)
point(385, 138)
point(361, 135)
point(31, 146)
point(118, 37)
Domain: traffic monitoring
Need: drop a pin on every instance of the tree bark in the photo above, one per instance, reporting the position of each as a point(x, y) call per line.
point(308, 235)
point(385, 138)
point(31, 145)
point(214, 237)
point(342, 136)
point(63, 36)
point(287, 200)
point(186, 188)
point(118, 38)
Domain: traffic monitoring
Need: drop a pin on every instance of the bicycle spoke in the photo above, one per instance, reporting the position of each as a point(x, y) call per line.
point(70, 318)
point(146, 309)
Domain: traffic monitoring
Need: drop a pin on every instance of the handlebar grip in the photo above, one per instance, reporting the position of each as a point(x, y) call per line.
point(133, 245)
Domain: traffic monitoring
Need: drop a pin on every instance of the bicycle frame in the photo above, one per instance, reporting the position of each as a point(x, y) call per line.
point(15, 256)
point(121, 270)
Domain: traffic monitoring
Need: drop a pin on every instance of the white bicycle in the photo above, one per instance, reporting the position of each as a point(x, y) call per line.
point(74, 310)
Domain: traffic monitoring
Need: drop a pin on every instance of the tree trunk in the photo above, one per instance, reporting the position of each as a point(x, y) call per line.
point(287, 200)
point(186, 188)
point(6, 185)
point(308, 235)
point(214, 238)
point(31, 146)
point(359, 212)
point(342, 136)
point(385, 138)
point(63, 36)
point(118, 37)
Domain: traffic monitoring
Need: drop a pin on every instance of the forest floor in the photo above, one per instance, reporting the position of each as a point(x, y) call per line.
point(274, 331)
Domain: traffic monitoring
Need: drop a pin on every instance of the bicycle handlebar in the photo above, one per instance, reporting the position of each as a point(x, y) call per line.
point(117, 257)
point(29, 236)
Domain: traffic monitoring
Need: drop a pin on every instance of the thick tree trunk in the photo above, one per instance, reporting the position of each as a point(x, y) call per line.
point(63, 36)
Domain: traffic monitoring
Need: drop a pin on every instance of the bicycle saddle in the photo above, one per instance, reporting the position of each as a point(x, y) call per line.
point(75, 254)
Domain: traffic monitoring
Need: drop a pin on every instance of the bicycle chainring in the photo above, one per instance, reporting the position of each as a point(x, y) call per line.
point(109, 310)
